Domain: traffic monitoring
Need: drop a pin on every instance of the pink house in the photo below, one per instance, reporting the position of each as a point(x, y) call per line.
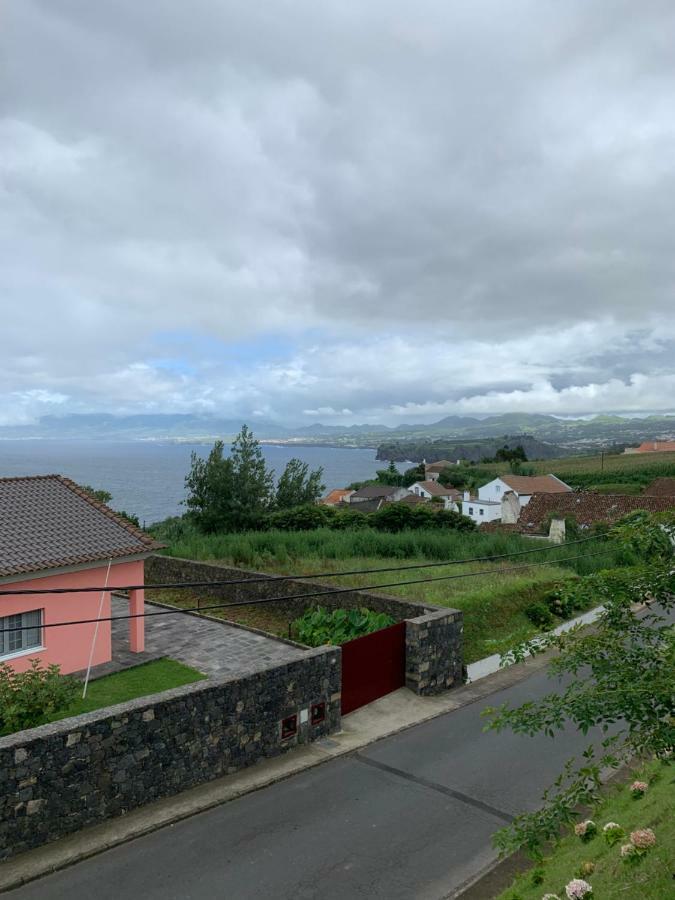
point(54, 535)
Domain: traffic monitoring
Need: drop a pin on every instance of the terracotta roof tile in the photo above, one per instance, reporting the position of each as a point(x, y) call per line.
point(531, 484)
point(439, 465)
point(587, 507)
point(438, 490)
point(336, 495)
point(49, 522)
point(656, 447)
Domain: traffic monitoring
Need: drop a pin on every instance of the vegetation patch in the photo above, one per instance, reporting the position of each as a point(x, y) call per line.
point(597, 858)
point(318, 626)
point(139, 681)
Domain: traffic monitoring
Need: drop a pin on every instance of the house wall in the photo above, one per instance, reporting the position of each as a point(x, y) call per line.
point(59, 778)
point(69, 646)
point(510, 508)
point(490, 511)
point(493, 490)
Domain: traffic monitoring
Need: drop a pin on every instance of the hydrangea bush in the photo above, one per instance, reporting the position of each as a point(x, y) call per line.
point(578, 889)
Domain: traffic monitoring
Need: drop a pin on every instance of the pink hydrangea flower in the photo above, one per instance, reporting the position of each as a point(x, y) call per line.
point(578, 889)
point(638, 788)
point(643, 839)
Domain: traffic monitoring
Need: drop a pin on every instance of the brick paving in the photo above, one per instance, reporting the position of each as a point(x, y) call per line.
point(210, 647)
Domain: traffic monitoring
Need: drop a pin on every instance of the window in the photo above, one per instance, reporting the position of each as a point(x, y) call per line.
point(480, 511)
point(289, 727)
point(497, 488)
point(28, 637)
point(318, 713)
point(471, 510)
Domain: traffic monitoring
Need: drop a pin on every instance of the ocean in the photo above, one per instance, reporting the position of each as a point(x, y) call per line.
point(147, 477)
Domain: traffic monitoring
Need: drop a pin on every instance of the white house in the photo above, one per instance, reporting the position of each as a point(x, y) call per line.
point(504, 497)
point(428, 490)
point(481, 510)
point(523, 486)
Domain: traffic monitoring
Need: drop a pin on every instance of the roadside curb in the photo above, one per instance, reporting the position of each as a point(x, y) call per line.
point(382, 719)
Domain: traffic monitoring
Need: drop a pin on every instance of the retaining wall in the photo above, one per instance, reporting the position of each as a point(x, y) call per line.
point(167, 569)
point(434, 657)
point(59, 778)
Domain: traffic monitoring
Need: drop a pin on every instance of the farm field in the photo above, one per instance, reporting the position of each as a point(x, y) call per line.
point(493, 603)
point(618, 470)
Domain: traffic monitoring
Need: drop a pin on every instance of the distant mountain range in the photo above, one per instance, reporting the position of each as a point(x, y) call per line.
point(609, 431)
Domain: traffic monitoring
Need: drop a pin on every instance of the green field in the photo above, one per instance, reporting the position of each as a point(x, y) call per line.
point(493, 602)
point(652, 879)
point(620, 469)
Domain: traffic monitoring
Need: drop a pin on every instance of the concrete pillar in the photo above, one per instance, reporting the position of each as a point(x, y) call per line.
point(136, 626)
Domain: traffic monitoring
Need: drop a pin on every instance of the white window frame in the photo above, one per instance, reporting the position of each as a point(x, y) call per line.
point(15, 643)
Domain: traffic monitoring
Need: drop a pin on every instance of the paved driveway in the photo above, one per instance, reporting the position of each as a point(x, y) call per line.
point(213, 648)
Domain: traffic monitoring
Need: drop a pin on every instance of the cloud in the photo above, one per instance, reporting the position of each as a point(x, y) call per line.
point(398, 211)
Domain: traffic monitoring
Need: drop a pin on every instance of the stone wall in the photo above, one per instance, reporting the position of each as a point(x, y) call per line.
point(169, 569)
point(434, 655)
point(433, 652)
point(58, 778)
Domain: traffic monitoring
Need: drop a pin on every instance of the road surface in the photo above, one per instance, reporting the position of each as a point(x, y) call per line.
point(410, 816)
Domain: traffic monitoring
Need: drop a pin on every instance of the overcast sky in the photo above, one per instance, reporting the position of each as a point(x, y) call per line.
point(337, 210)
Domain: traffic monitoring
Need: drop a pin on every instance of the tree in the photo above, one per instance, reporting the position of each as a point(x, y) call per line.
point(619, 677)
point(390, 475)
point(210, 485)
point(298, 486)
point(253, 483)
point(410, 476)
point(230, 492)
point(101, 495)
point(510, 454)
point(457, 477)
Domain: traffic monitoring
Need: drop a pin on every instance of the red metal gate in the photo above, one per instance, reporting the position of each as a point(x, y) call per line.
point(372, 666)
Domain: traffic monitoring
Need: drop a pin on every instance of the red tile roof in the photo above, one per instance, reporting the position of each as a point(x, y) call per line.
point(438, 490)
point(49, 522)
point(535, 484)
point(656, 447)
point(439, 465)
point(661, 487)
point(586, 507)
point(336, 496)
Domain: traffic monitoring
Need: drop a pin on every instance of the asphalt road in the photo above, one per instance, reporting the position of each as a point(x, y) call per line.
point(411, 816)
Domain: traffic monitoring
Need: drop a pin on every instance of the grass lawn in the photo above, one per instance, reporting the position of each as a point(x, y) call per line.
point(148, 678)
point(652, 879)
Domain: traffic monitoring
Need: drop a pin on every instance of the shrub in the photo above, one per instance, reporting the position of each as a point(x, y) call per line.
point(27, 698)
point(301, 518)
point(320, 626)
point(349, 520)
point(539, 614)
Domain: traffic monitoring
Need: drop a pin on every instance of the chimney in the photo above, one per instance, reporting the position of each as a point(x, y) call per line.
point(467, 495)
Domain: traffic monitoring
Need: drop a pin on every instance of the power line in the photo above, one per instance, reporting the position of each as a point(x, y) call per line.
point(267, 578)
point(332, 592)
